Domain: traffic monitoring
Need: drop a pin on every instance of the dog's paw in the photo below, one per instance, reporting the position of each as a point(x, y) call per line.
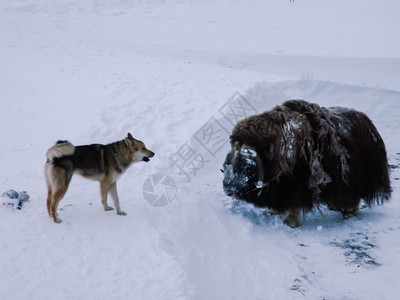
point(108, 208)
point(57, 220)
point(121, 213)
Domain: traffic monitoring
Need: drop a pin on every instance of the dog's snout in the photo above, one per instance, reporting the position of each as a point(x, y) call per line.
point(151, 154)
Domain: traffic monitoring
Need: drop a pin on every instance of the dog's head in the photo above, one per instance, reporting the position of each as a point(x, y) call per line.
point(138, 149)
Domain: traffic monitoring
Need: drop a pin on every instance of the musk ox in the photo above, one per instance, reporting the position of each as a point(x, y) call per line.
point(299, 156)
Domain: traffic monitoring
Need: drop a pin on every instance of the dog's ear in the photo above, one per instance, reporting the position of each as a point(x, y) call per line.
point(129, 140)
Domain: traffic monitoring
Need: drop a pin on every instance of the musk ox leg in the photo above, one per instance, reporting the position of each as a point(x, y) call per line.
point(350, 209)
point(334, 208)
point(273, 212)
point(292, 219)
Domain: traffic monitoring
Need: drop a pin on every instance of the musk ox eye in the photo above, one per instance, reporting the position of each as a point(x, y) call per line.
point(229, 158)
point(237, 168)
point(241, 165)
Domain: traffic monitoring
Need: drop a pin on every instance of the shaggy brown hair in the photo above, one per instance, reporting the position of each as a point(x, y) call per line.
point(310, 156)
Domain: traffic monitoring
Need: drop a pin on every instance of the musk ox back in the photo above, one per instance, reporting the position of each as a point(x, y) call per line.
point(299, 155)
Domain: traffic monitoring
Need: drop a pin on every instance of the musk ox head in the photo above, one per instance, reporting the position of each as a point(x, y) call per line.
point(243, 172)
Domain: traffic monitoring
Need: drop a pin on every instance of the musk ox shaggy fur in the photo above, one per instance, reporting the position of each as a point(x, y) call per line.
point(299, 156)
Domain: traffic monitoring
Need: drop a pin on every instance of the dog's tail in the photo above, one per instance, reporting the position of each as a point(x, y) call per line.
point(61, 148)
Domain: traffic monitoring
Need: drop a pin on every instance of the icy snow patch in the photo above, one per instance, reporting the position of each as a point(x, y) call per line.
point(289, 138)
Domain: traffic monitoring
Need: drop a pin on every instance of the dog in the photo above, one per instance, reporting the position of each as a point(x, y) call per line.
point(102, 163)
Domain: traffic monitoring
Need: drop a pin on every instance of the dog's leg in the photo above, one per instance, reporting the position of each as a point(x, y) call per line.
point(49, 199)
point(114, 195)
point(47, 174)
point(58, 195)
point(292, 219)
point(57, 180)
point(104, 188)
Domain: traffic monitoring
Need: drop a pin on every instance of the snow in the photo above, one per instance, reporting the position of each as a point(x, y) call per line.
point(90, 71)
point(289, 139)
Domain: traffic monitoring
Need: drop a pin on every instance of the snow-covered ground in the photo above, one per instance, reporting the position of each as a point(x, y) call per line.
point(90, 71)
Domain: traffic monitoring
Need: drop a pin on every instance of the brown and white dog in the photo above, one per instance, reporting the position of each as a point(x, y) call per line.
point(102, 163)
